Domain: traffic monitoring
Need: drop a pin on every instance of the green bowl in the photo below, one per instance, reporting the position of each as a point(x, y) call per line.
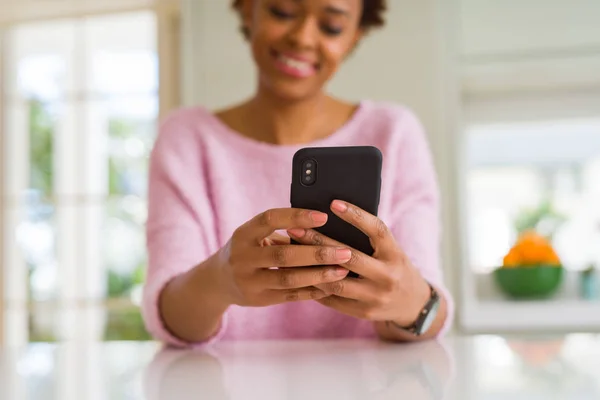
point(529, 281)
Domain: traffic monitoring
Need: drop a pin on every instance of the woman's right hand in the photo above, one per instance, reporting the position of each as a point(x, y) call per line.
point(257, 272)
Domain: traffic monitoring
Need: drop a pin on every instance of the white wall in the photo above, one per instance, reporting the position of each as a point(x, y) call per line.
point(528, 27)
point(399, 63)
point(217, 68)
point(529, 45)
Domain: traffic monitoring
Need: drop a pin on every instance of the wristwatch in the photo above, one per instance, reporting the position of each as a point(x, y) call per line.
point(426, 316)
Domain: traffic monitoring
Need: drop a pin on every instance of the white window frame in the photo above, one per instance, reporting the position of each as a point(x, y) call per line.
point(167, 14)
point(2, 207)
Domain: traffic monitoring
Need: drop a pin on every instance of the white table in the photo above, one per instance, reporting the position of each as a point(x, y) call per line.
point(480, 367)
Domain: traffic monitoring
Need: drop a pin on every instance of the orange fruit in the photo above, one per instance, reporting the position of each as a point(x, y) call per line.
point(531, 248)
point(511, 259)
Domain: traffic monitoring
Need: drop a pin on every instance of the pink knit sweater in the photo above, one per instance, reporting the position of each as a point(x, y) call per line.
point(206, 180)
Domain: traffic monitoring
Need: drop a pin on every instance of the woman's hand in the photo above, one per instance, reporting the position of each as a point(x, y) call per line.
point(389, 287)
point(260, 268)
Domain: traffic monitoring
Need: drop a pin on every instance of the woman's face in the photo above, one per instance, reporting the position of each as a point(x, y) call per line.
point(299, 44)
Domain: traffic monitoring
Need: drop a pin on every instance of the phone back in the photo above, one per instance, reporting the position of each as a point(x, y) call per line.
point(324, 174)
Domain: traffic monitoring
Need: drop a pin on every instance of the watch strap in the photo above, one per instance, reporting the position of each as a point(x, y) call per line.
point(415, 327)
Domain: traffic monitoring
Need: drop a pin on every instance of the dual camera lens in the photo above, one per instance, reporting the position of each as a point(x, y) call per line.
point(309, 172)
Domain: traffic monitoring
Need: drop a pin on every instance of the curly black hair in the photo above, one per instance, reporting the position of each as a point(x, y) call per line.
point(372, 16)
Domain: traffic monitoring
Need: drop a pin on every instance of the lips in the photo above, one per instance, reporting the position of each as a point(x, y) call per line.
point(295, 66)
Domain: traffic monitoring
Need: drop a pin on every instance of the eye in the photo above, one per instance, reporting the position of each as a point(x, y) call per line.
point(331, 30)
point(280, 14)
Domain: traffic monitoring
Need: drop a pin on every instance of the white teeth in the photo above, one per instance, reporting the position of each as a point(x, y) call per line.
point(299, 65)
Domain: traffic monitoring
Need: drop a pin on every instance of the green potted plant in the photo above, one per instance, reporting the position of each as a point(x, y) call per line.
point(531, 269)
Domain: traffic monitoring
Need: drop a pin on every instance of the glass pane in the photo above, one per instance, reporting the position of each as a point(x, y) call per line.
point(125, 325)
point(15, 155)
point(30, 148)
point(131, 132)
point(119, 134)
point(43, 324)
point(121, 52)
point(30, 257)
point(535, 176)
point(125, 251)
point(42, 128)
point(53, 321)
point(130, 124)
point(36, 236)
point(40, 60)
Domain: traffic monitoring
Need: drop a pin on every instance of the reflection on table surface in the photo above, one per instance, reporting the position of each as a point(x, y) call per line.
point(304, 370)
point(480, 367)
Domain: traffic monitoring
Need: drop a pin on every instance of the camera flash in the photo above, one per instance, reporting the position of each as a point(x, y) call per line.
point(308, 172)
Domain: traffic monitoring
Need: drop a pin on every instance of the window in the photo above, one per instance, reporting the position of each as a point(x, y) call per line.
point(541, 175)
point(532, 161)
point(80, 109)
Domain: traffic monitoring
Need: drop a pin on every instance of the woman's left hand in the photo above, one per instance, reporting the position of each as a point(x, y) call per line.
point(389, 287)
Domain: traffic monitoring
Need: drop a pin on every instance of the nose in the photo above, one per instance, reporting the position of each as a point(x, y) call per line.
point(305, 33)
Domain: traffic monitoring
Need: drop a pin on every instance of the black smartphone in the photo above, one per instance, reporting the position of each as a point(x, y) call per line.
point(348, 173)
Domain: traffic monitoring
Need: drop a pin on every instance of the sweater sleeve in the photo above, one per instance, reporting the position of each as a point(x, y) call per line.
point(180, 217)
point(415, 217)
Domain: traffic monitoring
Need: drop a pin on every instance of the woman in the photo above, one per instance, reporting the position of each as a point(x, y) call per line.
point(219, 191)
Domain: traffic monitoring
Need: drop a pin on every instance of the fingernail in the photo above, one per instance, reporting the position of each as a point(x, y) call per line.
point(339, 206)
point(343, 255)
point(318, 217)
point(297, 232)
point(341, 271)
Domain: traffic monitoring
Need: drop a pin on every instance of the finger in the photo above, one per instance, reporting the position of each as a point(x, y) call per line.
point(349, 307)
point(298, 256)
point(312, 237)
point(294, 278)
point(355, 289)
point(367, 223)
point(360, 263)
point(275, 239)
point(269, 221)
point(291, 295)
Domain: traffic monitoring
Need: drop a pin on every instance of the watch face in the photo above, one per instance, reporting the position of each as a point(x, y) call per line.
point(428, 321)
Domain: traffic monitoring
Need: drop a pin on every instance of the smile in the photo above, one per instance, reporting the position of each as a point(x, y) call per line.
point(293, 66)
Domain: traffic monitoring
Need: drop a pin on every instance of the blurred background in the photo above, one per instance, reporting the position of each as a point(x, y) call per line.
point(509, 92)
